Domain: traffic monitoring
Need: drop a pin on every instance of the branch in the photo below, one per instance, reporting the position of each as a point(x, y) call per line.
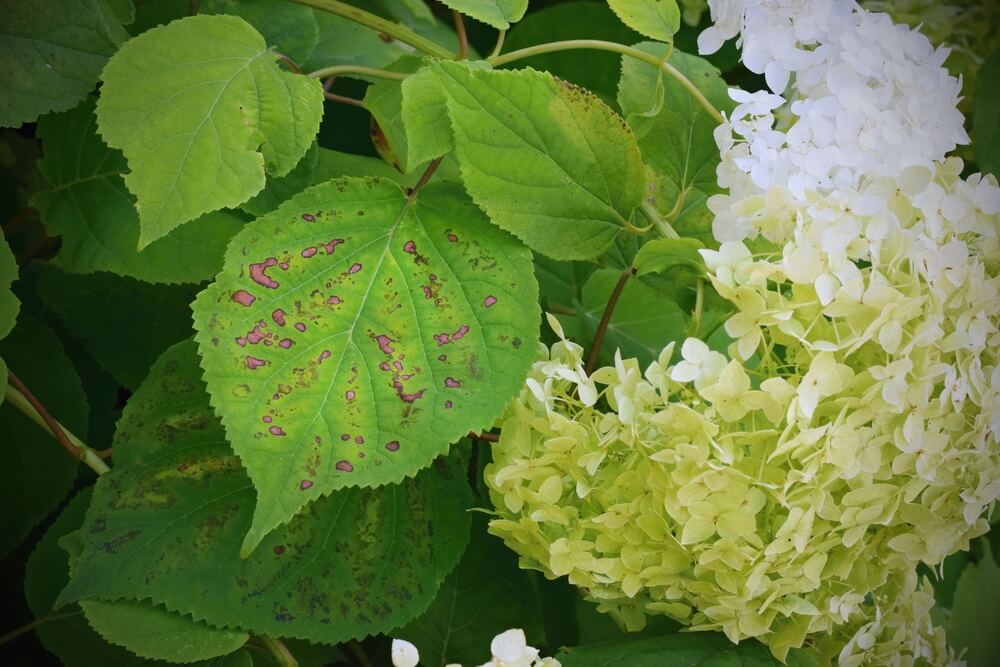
point(600, 45)
point(595, 348)
point(19, 396)
point(337, 70)
point(279, 651)
point(379, 24)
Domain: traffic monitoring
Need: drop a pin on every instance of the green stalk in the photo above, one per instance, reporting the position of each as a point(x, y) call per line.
point(600, 45)
point(394, 30)
point(340, 70)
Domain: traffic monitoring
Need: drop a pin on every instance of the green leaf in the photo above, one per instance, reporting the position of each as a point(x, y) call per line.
point(685, 649)
point(85, 201)
point(288, 27)
point(972, 624)
point(124, 323)
point(51, 54)
point(157, 634)
point(637, 329)
point(413, 139)
point(66, 632)
point(355, 314)
point(546, 160)
point(658, 19)
point(676, 141)
point(659, 255)
point(474, 606)
point(39, 473)
point(200, 109)
point(497, 13)
point(986, 117)
point(10, 305)
point(344, 42)
point(167, 526)
point(597, 71)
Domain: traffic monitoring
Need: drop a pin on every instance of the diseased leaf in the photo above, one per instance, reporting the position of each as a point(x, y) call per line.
point(473, 606)
point(597, 71)
point(677, 141)
point(986, 118)
point(200, 108)
point(85, 201)
point(355, 315)
point(125, 324)
point(659, 255)
point(684, 649)
point(39, 472)
point(972, 624)
point(636, 328)
point(658, 19)
point(167, 526)
point(51, 54)
point(497, 13)
point(546, 160)
point(10, 305)
point(154, 633)
point(288, 27)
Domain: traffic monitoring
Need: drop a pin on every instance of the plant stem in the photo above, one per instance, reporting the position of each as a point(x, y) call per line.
point(19, 396)
point(292, 65)
point(394, 30)
point(595, 348)
point(463, 39)
point(662, 226)
point(485, 436)
point(359, 652)
point(559, 309)
point(424, 177)
point(343, 99)
point(699, 304)
point(499, 45)
point(337, 70)
point(601, 45)
point(28, 627)
point(281, 654)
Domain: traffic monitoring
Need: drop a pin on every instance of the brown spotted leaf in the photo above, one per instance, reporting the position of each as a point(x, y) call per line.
point(166, 526)
point(355, 333)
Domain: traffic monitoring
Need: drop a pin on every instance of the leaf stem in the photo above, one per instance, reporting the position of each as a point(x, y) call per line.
point(699, 304)
point(343, 99)
point(662, 226)
point(22, 398)
point(485, 436)
point(499, 45)
point(28, 627)
point(600, 45)
point(358, 650)
point(463, 38)
point(281, 654)
point(338, 70)
point(424, 177)
point(292, 65)
point(595, 348)
point(394, 30)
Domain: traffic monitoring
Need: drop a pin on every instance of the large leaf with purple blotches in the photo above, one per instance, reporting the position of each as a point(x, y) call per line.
point(165, 526)
point(353, 321)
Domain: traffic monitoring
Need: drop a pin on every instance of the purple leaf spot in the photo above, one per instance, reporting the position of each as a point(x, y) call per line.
point(384, 344)
point(241, 341)
point(384, 365)
point(345, 436)
point(361, 455)
point(442, 339)
point(354, 268)
point(447, 405)
point(392, 446)
point(309, 252)
point(350, 395)
point(359, 440)
point(334, 301)
point(410, 247)
point(279, 317)
point(516, 343)
point(243, 297)
point(276, 430)
point(266, 419)
point(324, 355)
point(278, 550)
point(305, 484)
point(285, 343)
point(283, 266)
point(344, 466)
point(442, 357)
point(452, 383)
point(332, 245)
point(398, 366)
point(308, 217)
point(253, 363)
point(300, 327)
point(490, 301)
point(258, 273)
point(462, 330)
point(452, 238)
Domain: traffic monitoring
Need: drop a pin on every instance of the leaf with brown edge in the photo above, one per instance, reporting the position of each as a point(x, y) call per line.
point(355, 333)
point(165, 527)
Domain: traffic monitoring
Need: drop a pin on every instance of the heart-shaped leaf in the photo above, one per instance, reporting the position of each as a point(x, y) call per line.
point(356, 316)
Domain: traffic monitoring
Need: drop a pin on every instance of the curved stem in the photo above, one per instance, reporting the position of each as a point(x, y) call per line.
point(28, 627)
point(359, 652)
point(338, 70)
point(463, 38)
point(662, 226)
point(20, 397)
point(601, 45)
point(343, 99)
point(499, 45)
point(699, 305)
point(425, 177)
point(595, 348)
point(394, 30)
point(279, 651)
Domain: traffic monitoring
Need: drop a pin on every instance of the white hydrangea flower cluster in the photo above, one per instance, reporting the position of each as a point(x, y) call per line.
point(509, 649)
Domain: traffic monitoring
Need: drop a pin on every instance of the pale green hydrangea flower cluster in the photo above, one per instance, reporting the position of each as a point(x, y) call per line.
point(850, 436)
point(508, 649)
